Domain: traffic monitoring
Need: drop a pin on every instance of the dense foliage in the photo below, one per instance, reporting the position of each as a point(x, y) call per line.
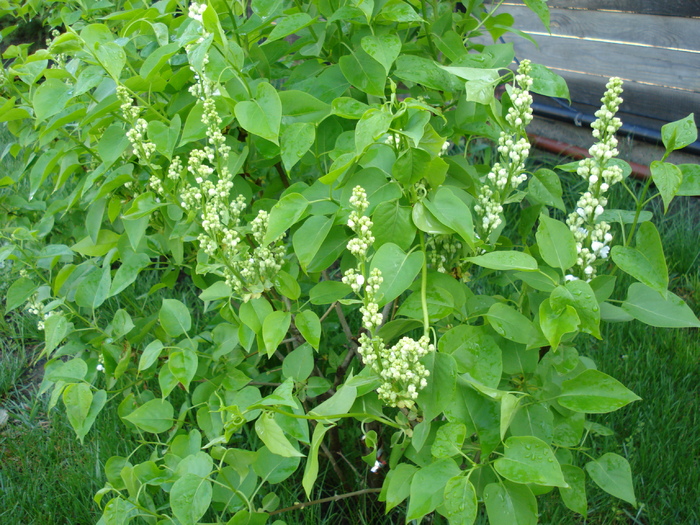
point(372, 280)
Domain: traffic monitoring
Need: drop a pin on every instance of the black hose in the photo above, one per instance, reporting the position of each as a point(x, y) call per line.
point(566, 114)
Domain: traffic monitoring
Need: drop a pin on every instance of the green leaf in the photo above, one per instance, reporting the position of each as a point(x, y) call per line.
point(327, 292)
point(428, 488)
point(311, 468)
point(373, 124)
point(190, 497)
point(56, 328)
point(309, 326)
point(556, 242)
point(510, 504)
point(131, 266)
point(150, 354)
point(398, 268)
point(544, 187)
point(475, 352)
point(397, 485)
point(174, 317)
point(574, 497)
point(287, 285)
point(645, 262)
point(555, 322)
point(539, 7)
point(510, 260)
point(299, 363)
point(667, 178)
point(274, 468)
point(50, 98)
point(299, 106)
point(423, 71)
point(691, 180)
point(652, 308)
point(94, 288)
point(284, 215)
point(183, 365)
point(580, 295)
point(594, 392)
point(392, 223)
point(77, 398)
point(461, 505)
point(363, 72)
point(263, 115)
point(528, 459)
point(450, 210)
point(398, 11)
point(273, 436)
point(266, 8)
point(155, 61)
point(296, 140)
point(349, 108)
point(440, 391)
point(533, 420)
point(546, 82)
point(289, 25)
point(274, 329)
point(155, 416)
point(18, 293)
point(165, 137)
point(511, 324)
point(449, 440)
point(612, 473)
point(112, 57)
point(679, 134)
point(338, 404)
point(307, 240)
point(143, 206)
point(384, 49)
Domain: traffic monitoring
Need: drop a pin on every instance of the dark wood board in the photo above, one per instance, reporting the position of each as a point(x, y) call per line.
point(642, 104)
point(655, 66)
point(685, 8)
point(648, 30)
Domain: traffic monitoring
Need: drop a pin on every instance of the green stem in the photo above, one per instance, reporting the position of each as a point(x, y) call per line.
point(638, 211)
point(424, 288)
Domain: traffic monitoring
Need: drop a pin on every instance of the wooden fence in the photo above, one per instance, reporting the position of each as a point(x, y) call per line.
point(653, 45)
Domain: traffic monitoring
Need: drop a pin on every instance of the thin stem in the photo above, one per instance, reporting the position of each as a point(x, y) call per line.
point(424, 289)
point(326, 500)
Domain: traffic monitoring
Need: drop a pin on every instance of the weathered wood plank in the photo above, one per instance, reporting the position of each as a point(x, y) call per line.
point(650, 30)
point(656, 66)
point(686, 8)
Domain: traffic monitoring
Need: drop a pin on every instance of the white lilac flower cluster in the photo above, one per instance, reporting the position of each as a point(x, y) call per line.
point(37, 307)
point(360, 224)
point(143, 149)
point(248, 268)
point(592, 235)
point(443, 252)
point(402, 374)
point(509, 172)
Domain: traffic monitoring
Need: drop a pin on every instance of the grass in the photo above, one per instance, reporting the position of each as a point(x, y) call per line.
point(47, 477)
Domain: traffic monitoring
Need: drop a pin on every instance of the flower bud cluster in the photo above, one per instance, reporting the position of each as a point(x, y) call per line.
point(489, 209)
point(593, 236)
point(443, 252)
point(520, 114)
point(143, 149)
point(399, 367)
point(513, 148)
point(196, 11)
point(37, 307)
point(360, 224)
